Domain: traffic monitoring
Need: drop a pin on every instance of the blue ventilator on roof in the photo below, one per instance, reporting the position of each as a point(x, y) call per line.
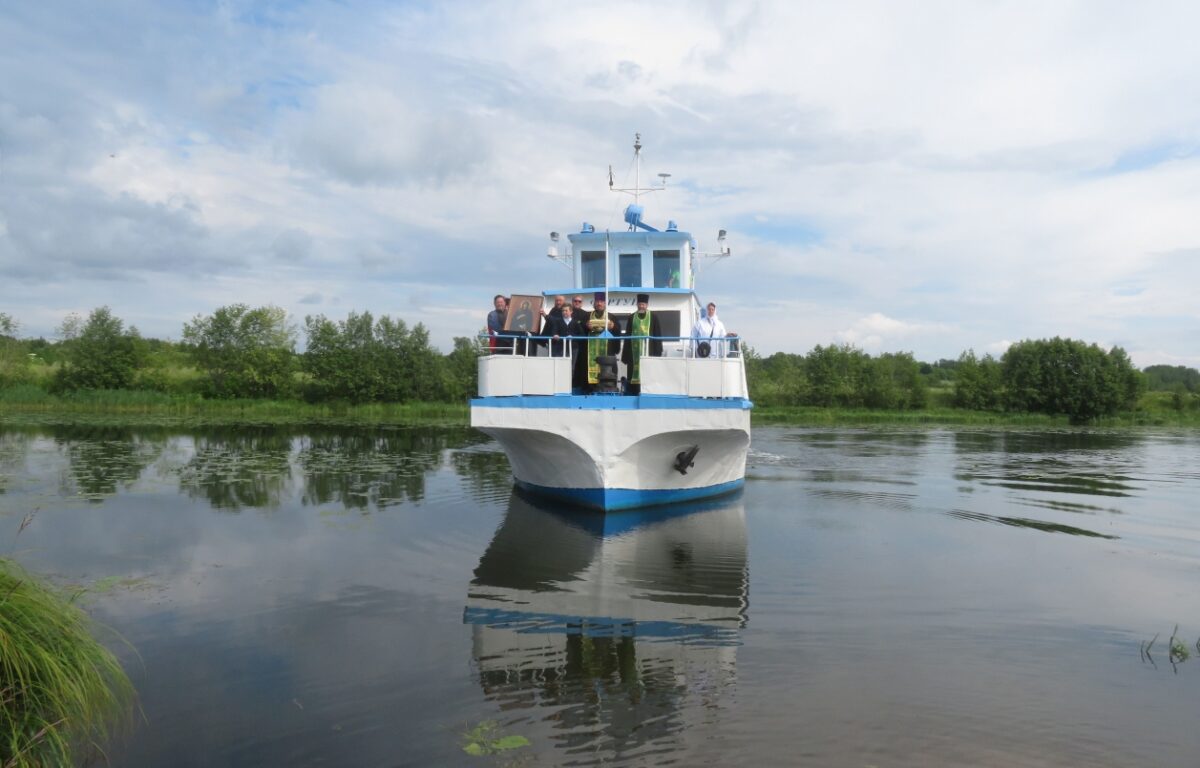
point(633, 217)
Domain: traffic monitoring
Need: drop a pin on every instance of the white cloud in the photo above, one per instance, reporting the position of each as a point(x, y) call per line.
point(997, 348)
point(878, 332)
point(928, 178)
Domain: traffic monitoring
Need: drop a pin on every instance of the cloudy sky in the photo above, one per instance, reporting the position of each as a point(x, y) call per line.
point(927, 177)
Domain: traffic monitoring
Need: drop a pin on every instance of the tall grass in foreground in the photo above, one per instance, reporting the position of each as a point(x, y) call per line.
point(60, 689)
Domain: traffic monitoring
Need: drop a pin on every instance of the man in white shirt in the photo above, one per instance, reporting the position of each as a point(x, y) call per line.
point(709, 326)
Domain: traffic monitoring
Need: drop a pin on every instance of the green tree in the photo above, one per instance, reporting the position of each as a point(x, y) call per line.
point(1163, 378)
point(14, 362)
point(361, 359)
point(977, 382)
point(777, 380)
point(244, 352)
point(101, 353)
point(893, 380)
point(835, 375)
point(462, 370)
point(1064, 376)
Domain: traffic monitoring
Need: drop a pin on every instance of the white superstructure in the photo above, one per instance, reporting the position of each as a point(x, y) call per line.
point(683, 436)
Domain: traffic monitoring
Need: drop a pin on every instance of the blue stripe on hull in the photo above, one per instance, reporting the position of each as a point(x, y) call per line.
point(609, 499)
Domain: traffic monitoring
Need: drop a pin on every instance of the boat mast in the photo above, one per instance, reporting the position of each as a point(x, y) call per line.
point(637, 165)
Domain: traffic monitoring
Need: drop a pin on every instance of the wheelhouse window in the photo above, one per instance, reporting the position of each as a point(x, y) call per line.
point(666, 269)
point(591, 264)
point(631, 270)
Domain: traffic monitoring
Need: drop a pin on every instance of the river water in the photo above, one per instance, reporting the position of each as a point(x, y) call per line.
point(873, 597)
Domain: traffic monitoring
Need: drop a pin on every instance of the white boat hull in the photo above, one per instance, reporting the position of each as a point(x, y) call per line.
point(619, 452)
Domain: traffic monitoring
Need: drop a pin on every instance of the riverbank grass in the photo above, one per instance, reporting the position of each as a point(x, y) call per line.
point(140, 408)
point(61, 691)
point(30, 405)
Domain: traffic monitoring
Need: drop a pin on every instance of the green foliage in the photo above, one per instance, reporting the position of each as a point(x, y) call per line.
point(777, 380)
point(361, 360)
point(45, 352)
point(239, 352)
point(1069, 377)
point(977, 383)
point(1166, 378)
point(14, 362)
point(834, 375)
point(1180, 397)
point(244, 352)
point(487, 739)
point(838, 376)
point(99, 353)
point(60, 689)
point(893, 380)
point(24, 394)
point(462, 370)
point(939, 375)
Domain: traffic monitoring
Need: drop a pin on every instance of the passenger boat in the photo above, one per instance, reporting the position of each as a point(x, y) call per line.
point(684, 436)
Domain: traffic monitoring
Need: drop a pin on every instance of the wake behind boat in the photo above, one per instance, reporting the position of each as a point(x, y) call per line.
point(637, 408)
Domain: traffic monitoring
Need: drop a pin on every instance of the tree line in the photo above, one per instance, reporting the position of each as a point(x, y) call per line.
point(1051, 376)
point(244, 352)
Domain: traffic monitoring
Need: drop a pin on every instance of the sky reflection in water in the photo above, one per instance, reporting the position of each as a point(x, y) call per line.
point(873, 597)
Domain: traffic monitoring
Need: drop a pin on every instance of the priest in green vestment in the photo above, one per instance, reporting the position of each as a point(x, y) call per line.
point(596, 322)
point(642, 323)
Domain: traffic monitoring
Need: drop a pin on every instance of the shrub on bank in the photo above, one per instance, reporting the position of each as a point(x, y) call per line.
point(361, 359)
point(244, 352)
point(99, 354)
point(977, 383)
point(839, 376)
point(1069, 377)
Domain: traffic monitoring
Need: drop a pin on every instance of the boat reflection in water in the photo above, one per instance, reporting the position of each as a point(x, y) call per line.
point(626, 624)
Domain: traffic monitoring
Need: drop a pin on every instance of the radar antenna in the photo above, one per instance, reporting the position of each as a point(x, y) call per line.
point(637, 189)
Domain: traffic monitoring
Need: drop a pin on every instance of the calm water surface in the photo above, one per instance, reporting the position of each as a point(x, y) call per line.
point(872, 598)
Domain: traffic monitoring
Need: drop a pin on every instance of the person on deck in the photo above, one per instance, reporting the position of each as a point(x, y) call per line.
point(709, 326)
point(574, 348)
point(556, 310)
point(559, 326)
point(597, 322)
point(495, 324)
point(641, 323)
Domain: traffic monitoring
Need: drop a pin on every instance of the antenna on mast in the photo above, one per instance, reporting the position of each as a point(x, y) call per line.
point(637, 160)
point(637, 190)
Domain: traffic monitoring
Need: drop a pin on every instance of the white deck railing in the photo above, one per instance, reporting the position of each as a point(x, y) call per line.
point(511, 366)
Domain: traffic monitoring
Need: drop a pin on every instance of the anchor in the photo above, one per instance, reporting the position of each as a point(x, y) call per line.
point(685, 459)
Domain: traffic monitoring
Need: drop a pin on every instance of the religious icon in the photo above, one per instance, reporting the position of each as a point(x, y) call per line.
point(524, 314)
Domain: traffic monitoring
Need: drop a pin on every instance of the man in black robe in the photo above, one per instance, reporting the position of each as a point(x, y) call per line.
point(642, 323)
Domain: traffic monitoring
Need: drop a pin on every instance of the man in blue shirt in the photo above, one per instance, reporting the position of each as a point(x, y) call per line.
point(495, 325)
